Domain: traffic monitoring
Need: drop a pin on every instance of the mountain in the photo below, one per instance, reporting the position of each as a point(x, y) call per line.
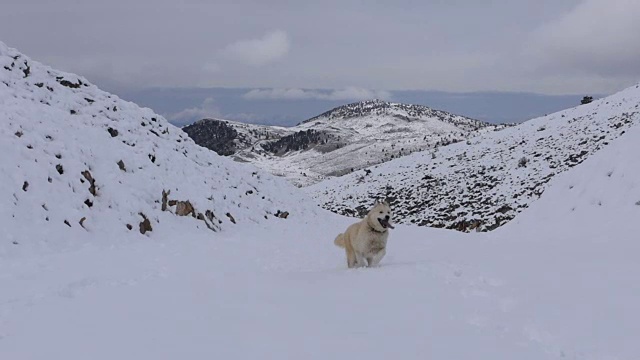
point(339, 141)
point(529, 290)
point(78, 162)
point(484, 182)
point(380, 109)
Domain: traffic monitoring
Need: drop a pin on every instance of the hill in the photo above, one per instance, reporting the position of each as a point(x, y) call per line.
point(339, 141)
point(484, 182)
point(558, 282)
point(80, 163)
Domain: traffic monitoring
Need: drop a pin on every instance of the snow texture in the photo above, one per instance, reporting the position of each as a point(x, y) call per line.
point(71, 151)
point(339, 141)
point(558, 282)
point(483, 183)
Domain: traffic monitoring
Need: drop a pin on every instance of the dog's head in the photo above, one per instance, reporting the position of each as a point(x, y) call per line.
point(379, 216)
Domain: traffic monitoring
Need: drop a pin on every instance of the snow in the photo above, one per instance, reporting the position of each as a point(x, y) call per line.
point(50, 134)
point(480, 183)
point(361, 135)
point(557, 282)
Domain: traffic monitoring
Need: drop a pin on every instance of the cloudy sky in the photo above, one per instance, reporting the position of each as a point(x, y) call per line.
point(277, 50)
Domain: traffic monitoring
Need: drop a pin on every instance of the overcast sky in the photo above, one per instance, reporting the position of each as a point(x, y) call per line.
point(360, 49)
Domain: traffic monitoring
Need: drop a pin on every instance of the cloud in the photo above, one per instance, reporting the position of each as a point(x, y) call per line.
point(597, 37)
point(271, 47)
point(208, 109)
point(211, 67)
point(573, 42)
point(349, 93)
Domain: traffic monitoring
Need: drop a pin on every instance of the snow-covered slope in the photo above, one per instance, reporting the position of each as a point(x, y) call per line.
point(339, 141)
point(484, 182)
point(559, 282)
point(78, 163)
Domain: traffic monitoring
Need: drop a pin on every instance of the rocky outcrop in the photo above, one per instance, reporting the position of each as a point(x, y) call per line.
point(185, 208)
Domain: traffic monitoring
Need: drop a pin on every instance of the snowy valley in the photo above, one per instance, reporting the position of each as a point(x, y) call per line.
point(250, 270)
point(339, 141)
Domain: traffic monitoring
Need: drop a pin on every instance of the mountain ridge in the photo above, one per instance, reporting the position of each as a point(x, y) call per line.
point(485, 182)
point(339, 141)
point(380, 107)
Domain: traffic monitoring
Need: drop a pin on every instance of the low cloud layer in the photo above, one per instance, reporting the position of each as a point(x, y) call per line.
point(208, 109)
point(346, 94)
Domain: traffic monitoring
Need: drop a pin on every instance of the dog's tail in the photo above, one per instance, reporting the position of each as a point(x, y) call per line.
point(339, 241)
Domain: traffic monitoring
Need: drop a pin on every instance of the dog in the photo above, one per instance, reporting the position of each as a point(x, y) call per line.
point(365, 242)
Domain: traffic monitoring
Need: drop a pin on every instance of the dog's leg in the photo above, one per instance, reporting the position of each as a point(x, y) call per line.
point(351, 257)
point(360, 260)
point(375, 259)
point(370, 261)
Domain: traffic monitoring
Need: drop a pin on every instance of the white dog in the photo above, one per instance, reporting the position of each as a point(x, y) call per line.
point(365, 241)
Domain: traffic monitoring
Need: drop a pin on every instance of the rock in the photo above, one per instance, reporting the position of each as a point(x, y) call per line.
point(145, 224)
point(165, 198)
point(210, 224)
point(121, 166)
point(92, 182)
point(25, 186)
point(113, 132)
point(69, 84)
point(231, 218)
point(184, 208)
point(522, 162)
point(504, 209)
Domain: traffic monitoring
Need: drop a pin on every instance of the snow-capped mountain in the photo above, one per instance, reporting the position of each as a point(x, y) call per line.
point(77, 161)
point(79, 164)
point(530, 290)
point(484, 182)
point(339, 141)
point(379, 108)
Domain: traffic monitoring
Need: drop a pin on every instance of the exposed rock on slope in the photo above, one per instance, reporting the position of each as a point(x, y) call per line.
point(339, 141)
point(405, 112)
point(77, 160)
point(483, 183)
